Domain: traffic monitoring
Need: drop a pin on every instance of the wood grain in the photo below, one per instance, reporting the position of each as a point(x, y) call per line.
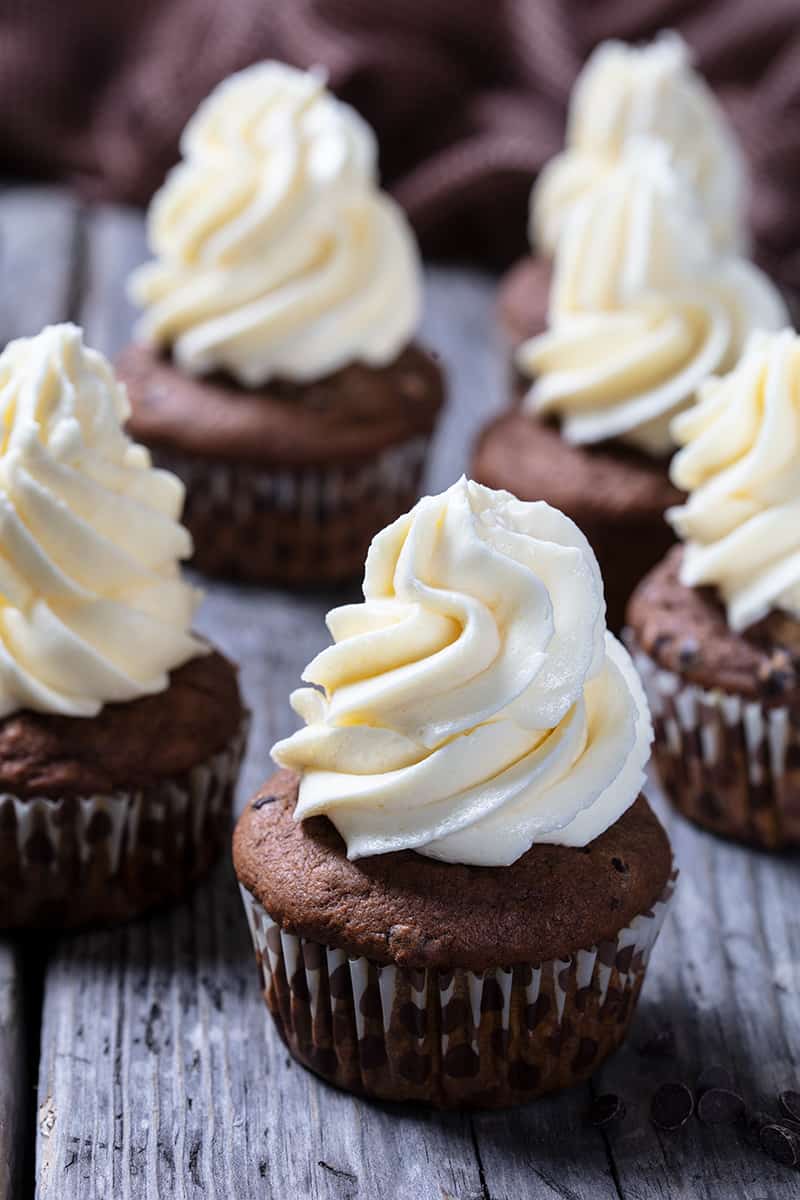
point(13, 1070)
point(159, 1074)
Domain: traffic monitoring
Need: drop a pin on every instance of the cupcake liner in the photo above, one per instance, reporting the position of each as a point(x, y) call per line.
point(728, 763)
point(105, 858)
point(455, 1038)
point(299, 526)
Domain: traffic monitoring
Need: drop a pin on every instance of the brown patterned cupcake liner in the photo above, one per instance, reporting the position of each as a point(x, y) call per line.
point(451, 1038)
point(106, 858)
point(309, 525)
point(728, 763)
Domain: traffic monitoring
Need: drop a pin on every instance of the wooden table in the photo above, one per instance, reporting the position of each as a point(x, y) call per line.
point(158, 1075)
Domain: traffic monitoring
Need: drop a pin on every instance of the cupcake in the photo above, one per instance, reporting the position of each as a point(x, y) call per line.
point(715, 627)
point(121, 731)
point(453, 883)
point(625, 92)
point(274, 369)
point(642, 311)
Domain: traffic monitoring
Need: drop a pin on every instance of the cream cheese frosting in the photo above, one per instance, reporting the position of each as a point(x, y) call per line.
point(642, 308)
point(93, 607)
point(740, 462)
point(625, 92)
point(275, 253)
point(474, 702)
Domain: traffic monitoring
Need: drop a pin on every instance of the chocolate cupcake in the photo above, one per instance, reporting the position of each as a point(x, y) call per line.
point(120, 731)
point(454, 884)
point(642, 311)
point(626, 92)
point(715, 628)
point(275, 369)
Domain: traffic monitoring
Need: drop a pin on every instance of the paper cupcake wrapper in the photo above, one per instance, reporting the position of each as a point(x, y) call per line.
point(302, 526)
point(451, 1038)
point(728, 763)
point(105, 858)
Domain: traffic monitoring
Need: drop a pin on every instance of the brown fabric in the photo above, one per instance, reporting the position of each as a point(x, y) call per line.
point(468, 97)
point(616, 495)
point(125, 746)
point(685, 630)
point(410, 910)
point(346, 418)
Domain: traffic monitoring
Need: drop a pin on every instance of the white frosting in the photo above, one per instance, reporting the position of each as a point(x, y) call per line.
point(93, 607)
point(642, 309)
point(624, 92)
point(276, 255)
point(474, 703)
point(741, 463)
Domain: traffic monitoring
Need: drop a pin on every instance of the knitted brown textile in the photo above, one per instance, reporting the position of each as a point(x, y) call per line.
point(467, 96)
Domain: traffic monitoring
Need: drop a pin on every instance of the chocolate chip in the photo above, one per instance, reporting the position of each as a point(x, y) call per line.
point(689, 652)
point(660, 1045)
point(714, 1077)
point(672, 1106)
point(620, 866)
point(720, 1106)
point(604, 1110)
point(661, 643)
point(754, 1121)
point(260, 801)
point(790, 1103)
point(777, 682)
point(780, 1144)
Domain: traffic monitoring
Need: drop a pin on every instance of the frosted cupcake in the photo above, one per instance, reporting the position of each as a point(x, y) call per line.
point(121, 732)
point(716, 625)
point(624, 93)
point(642, 310)
point(454, 884)
point(275, 369)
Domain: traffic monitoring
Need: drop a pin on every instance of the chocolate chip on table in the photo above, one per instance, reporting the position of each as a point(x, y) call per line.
point(689, 652)
point(754, 1121)
point(720, 1106)
point(660, 1045)
point(260, 801)
point(790, 1104)
point(714, 1077)
point(605, 1109)
point(672, 1106)
point(781, 1144)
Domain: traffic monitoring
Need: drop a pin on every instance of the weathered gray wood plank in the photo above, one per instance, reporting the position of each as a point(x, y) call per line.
point(13, 1070)
point(727, 981)
point(38, 249)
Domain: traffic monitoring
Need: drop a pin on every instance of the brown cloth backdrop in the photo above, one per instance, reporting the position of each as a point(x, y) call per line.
point(467, 96)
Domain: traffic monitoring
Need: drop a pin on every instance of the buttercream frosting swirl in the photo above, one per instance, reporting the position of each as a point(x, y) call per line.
point(93, 607)
point(642, 309)
point(626, 92)
point(740, 462)
point(275, 253)
point(474, 703)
